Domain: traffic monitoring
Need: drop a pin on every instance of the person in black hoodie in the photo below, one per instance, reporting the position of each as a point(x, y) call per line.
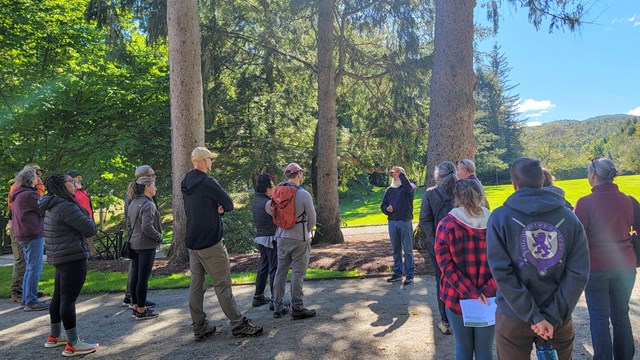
point(66, 226)
point(205, 201)
point(265, 238)
point(538, 254)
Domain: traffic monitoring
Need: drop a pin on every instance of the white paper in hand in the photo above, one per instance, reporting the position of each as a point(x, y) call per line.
point(477, 314)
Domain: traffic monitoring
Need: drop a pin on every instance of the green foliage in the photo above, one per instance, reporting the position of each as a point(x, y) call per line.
point(239, 230)
point(67, 104)
point(566, 146)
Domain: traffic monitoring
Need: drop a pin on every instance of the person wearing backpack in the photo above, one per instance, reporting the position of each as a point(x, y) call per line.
point(397, 204)
point(437, 201)
point(291, 207)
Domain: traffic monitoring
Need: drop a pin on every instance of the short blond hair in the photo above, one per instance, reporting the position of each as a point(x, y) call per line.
point(201, 153)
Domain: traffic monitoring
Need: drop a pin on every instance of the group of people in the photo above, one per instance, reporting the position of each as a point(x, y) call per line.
point(533, 256)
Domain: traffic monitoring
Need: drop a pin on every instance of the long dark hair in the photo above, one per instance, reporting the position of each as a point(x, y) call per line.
point(55, 186)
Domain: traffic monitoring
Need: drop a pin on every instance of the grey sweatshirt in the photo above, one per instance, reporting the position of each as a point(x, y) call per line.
point(301, 231)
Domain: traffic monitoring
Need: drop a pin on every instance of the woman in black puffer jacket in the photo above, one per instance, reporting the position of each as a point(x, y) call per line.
point(66, 225)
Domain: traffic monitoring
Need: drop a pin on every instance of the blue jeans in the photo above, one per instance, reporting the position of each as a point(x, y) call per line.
point(608, 294)
point(33, 250)
point(470, 340)
point(401, 234)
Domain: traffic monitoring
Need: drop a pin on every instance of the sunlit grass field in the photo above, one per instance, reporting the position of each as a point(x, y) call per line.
point(365, 210)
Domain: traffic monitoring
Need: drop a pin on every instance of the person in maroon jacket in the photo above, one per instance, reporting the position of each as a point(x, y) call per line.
point(461, 254)
point(607, 215)
point(28, 227)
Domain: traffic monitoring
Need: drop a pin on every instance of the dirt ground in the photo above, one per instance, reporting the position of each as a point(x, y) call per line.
point(369, 253)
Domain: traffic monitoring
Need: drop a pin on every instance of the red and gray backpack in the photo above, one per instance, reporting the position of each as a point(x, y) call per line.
point(283, 208)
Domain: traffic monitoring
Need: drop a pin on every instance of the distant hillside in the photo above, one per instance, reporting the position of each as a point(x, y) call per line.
point(566, 145)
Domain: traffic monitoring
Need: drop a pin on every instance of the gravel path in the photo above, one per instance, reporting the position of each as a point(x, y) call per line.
point(359, 318)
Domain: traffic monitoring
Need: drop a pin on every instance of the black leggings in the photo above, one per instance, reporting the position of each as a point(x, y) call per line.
point(69, 279)
point(141, 266)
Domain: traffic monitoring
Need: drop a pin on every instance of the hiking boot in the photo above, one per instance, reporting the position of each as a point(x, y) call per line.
point(285, 310)
point(259, 301)
point(53, 341)
point(40, 294)
point(395, 278)
point(146, 315)
point(16, 297)
point(444, 328)
point(407, 281)
point(246, 328)
point(80, 348)
point(208, 331)
point(302, 314)
point(37, 306)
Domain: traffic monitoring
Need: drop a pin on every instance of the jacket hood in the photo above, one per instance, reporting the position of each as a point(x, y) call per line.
point(474, 221)
point(534, 201)
point(48, 201)
point(20, 190)
point(192, 180)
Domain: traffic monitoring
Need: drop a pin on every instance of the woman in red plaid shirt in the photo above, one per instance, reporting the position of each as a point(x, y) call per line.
point(461, 253)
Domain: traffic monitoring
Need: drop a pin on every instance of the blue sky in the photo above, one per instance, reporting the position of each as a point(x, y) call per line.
point(563, 75)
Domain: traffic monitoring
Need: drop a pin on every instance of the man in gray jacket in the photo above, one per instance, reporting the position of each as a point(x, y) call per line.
point(538, 254)
point(294, 248)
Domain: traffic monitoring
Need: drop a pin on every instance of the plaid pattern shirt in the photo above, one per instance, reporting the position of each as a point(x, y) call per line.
point(461, 253)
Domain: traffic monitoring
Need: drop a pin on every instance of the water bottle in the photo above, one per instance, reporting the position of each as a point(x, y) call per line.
point(545, 351)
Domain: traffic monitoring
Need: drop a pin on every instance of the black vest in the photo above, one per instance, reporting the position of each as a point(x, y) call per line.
point(262, 220)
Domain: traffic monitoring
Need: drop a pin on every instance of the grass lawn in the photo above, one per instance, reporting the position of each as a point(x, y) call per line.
point(114, 282)
point(365, 209)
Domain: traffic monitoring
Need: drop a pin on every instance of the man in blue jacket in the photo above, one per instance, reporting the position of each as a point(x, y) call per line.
point(205, 201)
point(538, 254)
point(397, 204)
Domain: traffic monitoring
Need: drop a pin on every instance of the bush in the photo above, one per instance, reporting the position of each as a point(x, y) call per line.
point(239, 231)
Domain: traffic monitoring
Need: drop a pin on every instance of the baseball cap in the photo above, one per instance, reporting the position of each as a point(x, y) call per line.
point(201, 153)
point(144, 170)
point(291, 169)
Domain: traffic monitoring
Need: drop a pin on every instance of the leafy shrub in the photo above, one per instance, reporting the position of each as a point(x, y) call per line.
point(239, 231)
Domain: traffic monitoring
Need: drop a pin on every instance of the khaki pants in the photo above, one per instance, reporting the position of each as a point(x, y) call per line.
point(295, 254)
point(214, 261)
point(19, 266)
point(514, 339)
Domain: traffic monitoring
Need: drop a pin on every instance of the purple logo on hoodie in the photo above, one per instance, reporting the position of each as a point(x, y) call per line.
point(542, 245)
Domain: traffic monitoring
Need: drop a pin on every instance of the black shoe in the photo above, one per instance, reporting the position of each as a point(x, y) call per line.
point(246, 328)
point(40, 294)
point(126, 302)
point(209, 330)
point(395, 278)
point(146, 315)
point(407, 281)
point(259, 301)
point(302, 314)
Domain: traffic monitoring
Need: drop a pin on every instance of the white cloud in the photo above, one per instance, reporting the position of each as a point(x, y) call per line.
point(534, 105)
point(535, 115)
point(533, 123)
point(635, 112)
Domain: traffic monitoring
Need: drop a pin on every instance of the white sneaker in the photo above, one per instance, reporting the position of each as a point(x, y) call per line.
point(80, 348)
point(53, 341)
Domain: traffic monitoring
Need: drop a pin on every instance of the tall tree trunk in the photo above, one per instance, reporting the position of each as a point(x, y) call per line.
point(187, 115)
point(452, 84)
point(328, 228)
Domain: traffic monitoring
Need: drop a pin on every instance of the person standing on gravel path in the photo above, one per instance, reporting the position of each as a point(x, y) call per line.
point(294, 246)
point(538, 254)
point(397, 204)
point(205, 202)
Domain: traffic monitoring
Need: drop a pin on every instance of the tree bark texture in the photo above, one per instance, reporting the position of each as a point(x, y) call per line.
point(328, 228)
point(187, 114)
point(452, 84)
